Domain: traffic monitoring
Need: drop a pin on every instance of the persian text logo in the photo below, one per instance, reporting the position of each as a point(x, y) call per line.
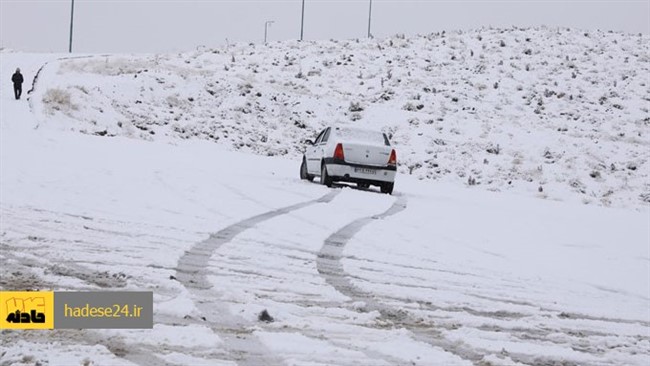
point(26, 310)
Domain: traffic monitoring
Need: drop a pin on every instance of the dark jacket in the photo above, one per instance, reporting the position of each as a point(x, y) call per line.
point(17, 78)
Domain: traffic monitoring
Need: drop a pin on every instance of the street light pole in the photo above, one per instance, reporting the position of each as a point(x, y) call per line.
point(71, 20)
point(266, 26)
point(302, 20)
point(369, 16)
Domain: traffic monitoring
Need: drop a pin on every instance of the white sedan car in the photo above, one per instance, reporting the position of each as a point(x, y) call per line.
point(343, 154)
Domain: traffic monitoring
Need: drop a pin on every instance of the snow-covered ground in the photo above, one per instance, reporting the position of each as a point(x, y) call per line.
point(439, 273)
point(556, 113)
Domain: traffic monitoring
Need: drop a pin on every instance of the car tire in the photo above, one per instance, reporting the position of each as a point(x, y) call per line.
point(324, 177)
point(303, 171)
point(387, 188)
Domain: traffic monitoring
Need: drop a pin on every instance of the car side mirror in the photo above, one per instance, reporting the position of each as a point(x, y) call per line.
point(309, 142)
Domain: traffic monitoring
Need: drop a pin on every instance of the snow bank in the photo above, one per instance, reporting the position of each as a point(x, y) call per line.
point(556, 113)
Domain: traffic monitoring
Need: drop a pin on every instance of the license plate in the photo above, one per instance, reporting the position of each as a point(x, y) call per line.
point(365, 171)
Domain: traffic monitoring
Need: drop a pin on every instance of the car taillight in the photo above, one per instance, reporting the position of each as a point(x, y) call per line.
point(392, 160)
point(338, 152)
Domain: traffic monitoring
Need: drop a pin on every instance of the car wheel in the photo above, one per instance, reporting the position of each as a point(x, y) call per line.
point(387, 188)
point(324, 177)
point(303, 171)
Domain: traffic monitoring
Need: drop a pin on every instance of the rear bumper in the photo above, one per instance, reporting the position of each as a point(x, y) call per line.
point(341, 171)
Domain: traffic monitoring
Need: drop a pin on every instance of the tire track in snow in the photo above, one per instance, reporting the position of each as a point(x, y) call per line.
point(192, 272)
point(331, 269)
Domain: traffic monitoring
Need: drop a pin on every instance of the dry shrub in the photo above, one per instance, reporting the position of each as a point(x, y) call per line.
point(58, 100)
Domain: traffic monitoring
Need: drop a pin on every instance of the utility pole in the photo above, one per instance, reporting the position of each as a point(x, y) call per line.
point(302, 20)
point(266, 26)
point(71, 21)
point(369, 16)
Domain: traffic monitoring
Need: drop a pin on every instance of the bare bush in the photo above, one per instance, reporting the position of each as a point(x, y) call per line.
point(58, 100)
point(355, 107)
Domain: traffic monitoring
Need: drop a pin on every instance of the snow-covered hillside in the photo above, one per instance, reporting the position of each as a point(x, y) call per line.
point(557, 113)
point(440, 273)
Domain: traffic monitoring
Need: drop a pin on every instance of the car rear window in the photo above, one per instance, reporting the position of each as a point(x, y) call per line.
point(357, 135)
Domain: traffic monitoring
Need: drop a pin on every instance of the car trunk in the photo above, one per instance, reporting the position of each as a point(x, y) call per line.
point(376, 155)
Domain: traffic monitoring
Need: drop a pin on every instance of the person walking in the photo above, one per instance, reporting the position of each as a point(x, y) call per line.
point(17, 78)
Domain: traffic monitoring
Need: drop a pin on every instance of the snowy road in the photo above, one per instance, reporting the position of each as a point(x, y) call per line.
point(192, 273)
point(436, 274)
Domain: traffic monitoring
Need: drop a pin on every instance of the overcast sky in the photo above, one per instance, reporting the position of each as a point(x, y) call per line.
point(175, 25)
